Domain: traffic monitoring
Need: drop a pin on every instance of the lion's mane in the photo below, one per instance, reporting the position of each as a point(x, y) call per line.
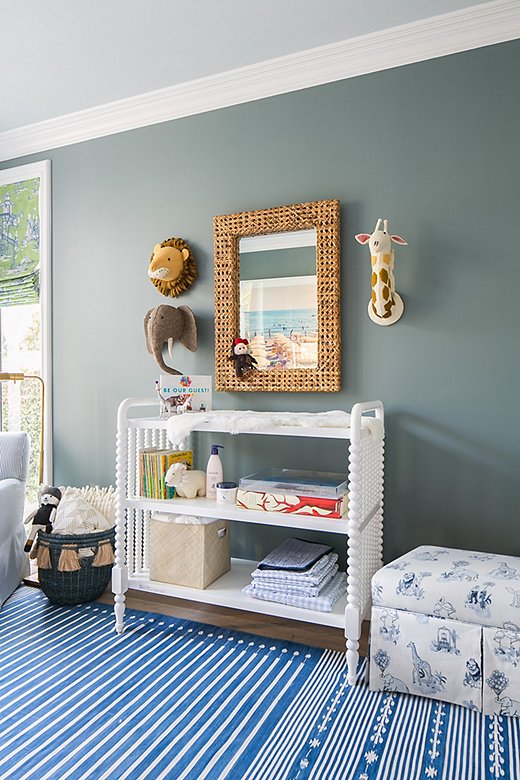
point(187, 275)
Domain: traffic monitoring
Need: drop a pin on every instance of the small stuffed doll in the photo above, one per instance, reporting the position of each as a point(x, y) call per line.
point(244, 362)
point(43, 516)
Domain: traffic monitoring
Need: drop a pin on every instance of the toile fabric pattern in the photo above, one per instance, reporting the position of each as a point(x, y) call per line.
point(446, 624)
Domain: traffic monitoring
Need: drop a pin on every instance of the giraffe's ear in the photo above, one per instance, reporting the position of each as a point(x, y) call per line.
point(363, 238)
point(399, 240)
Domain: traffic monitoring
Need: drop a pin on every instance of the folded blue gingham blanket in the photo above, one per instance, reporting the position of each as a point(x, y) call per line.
point(322, 603)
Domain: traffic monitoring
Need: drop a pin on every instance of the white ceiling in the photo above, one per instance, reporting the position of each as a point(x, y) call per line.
point(62, 56)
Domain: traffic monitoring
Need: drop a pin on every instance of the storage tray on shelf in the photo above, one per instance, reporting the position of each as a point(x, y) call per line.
point(321, 484)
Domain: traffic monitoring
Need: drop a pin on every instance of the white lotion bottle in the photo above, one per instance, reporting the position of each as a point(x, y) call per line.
point(214, 471)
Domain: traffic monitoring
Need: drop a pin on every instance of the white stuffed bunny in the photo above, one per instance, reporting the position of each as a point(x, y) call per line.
point(187, 483)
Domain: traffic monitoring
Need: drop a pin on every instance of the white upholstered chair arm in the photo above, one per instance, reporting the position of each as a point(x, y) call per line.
point(12, 497)
point(14, 455)
point(14, 458)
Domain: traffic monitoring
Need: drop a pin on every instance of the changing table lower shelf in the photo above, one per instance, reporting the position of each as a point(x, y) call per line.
point(226, 591)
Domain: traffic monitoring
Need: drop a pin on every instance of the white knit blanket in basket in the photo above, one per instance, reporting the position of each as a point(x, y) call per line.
point(180, 426)
point(85, 510)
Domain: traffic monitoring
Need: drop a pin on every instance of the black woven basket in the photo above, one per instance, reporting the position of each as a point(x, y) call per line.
point(74, 587)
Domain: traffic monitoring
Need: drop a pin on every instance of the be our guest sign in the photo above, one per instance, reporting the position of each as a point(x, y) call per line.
point(184, 393)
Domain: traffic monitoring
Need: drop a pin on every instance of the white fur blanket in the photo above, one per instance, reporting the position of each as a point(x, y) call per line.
point(180, 426)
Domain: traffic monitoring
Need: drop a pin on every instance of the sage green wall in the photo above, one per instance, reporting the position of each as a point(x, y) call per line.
point(433, 147)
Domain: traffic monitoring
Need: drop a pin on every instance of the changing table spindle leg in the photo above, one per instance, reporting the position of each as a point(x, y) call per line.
point(119, 609)
point(119, 571)
point(352, 611)
point(352, 660)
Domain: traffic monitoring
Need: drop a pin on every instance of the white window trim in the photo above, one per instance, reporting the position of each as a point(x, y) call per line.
point(42, 170)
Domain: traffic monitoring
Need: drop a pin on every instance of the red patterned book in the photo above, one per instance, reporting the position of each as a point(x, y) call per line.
point(293, 504)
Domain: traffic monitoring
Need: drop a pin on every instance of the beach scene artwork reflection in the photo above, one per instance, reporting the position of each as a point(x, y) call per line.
point(279, 317)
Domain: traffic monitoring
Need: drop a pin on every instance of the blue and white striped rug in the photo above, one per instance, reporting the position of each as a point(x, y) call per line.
point(174, 699)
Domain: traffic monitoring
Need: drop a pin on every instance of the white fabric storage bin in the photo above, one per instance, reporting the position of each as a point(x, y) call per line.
point(451, 612)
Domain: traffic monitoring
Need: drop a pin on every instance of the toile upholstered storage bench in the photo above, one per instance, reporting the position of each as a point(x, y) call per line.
point(446, 624)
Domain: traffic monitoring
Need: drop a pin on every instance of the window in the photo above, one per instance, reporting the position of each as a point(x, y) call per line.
point(25, 311)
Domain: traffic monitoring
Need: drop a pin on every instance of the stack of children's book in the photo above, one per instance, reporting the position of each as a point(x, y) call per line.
point(153, 465)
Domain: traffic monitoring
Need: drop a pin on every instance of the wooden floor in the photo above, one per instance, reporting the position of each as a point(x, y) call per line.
point(263, 625)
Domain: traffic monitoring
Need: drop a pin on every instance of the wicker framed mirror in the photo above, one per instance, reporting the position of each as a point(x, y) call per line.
point(277, 284)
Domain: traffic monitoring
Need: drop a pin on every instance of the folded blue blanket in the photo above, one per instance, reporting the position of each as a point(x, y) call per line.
point(312, 576)
point(295, 555)
point(323, 603)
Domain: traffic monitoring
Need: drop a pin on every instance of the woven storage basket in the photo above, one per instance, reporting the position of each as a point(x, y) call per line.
point(186, 554)
point(81, 585)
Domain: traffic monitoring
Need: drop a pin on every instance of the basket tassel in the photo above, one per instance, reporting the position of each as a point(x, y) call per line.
point(69, 559)
point(34, 549)
point(43, 557)
point(104, 555)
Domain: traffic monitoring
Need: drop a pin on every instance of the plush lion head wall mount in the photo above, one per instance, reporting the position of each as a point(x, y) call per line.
point(172, 267)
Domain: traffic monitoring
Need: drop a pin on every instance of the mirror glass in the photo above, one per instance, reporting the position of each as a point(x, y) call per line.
point(279, 299)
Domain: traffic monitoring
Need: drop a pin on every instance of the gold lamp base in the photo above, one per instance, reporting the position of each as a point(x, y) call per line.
point(10, 376)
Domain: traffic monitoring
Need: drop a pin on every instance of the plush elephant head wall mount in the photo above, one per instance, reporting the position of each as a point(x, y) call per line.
point(166, 324)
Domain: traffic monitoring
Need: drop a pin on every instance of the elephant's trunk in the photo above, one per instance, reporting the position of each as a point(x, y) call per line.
point(157, 353)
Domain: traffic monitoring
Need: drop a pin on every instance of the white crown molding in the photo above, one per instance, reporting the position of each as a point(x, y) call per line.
point(438, 36)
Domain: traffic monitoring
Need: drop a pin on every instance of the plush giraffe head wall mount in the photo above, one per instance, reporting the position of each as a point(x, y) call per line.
point(385, 306)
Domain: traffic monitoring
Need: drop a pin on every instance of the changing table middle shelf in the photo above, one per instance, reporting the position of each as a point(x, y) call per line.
point(207, 507)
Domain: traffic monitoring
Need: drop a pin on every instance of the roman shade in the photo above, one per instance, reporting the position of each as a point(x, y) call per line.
point(19, 243)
